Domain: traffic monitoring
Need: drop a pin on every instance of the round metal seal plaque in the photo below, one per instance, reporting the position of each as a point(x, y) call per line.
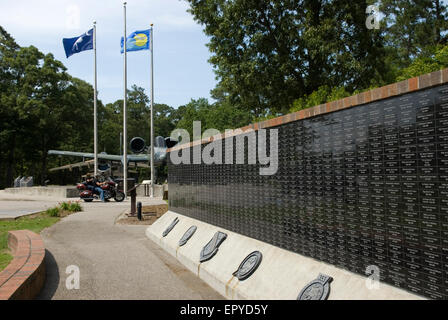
point(248, 266)
point(318, 289)
point(170, 227)
point(187, 235)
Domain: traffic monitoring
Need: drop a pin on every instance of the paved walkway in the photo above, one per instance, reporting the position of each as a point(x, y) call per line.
point(13, 209)
point(115, 261)
point(13, 206)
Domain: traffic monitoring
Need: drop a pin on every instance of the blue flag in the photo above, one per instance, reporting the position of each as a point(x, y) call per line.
point(138, 40)
point(78, 44)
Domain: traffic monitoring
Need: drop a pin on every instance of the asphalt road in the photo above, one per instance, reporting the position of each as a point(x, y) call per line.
point(114, 261)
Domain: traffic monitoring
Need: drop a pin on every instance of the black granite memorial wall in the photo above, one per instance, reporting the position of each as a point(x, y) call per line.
point(358, 187)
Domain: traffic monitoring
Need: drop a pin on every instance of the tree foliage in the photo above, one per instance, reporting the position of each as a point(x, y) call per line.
point(413, 28)
point(269, 53)
point(42, 107)
point(426, 63)
point(218, 116)
point(270, 58)
point(139, 118)
point(322, 95)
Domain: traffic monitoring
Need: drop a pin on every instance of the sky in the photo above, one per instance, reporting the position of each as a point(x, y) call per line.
point(181, 70)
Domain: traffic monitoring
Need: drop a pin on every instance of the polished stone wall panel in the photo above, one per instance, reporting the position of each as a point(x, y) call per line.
point(362, 186)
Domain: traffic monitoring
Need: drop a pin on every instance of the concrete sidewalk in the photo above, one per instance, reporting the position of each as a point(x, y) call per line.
point(13, 206)
point(115, 261)
point(10, 210)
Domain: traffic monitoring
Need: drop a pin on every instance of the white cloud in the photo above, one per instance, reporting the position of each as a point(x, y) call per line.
point(53, 17)
point(179, 50)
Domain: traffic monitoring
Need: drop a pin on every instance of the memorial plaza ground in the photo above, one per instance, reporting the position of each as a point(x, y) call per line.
point(115, 261)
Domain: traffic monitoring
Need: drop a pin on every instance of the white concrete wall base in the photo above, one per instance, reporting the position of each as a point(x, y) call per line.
point(281, 275)
point(50, 191)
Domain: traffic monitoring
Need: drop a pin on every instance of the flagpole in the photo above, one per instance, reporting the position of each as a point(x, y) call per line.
point(152, 113)
point(95, 111)
point(125, 135)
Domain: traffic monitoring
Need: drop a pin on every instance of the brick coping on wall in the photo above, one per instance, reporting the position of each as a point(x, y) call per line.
point(24, 277)
point(399, 88)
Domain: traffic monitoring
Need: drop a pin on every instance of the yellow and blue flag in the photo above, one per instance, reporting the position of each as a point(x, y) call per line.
point(138, 40)
point(78, 44)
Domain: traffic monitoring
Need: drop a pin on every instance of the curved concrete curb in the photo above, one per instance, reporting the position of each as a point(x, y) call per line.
point(281, 275)
point(24, 277)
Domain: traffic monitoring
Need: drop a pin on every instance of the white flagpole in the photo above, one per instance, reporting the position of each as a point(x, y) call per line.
point(95, 111)
point(152, 113)
point(125, 134)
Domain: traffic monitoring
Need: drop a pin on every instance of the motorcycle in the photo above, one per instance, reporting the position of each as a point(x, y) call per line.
point(110, 189)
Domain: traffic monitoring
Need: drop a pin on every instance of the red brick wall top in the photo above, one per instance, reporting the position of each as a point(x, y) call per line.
point(395, 89)
point(24, 277)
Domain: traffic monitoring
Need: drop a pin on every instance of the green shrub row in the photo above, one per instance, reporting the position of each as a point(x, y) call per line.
point(64, 206)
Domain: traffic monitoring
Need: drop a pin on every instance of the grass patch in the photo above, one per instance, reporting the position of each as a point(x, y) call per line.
point(36, 223)
point(53, 212)
point(71, 206)
point(64, 209)
point(5, 259)
point(74, 207)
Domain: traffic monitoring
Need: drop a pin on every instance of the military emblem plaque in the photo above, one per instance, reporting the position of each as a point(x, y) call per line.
point(187, 235)
point(318, 289)
point(248, 266)
point(170, 227)
point(211, 248)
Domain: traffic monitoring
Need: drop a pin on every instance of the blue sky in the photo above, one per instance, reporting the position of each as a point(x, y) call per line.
point(180, 55)
point(181, 69)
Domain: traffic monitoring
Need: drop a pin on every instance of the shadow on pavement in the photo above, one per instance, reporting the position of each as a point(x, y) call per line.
point(52, 277)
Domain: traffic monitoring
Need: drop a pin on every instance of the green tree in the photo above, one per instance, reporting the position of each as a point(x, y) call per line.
point(78, 116)
point(413, 28)
point(267, 54)
point(42, 102)
point(139, 120)
point(426, 64)
point(110, 125)
point(42, 108)
point(322, 95)
point(8, 113)
point(218, 116)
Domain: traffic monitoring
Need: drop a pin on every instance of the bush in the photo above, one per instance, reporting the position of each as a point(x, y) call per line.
point(70, 206)
point(65, 206)
point(53, 212)
point(75, 207)
point(323, 95)
point(426, 63)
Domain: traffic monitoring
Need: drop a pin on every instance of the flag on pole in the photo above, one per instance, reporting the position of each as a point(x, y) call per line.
point(136, 41)
point(78, 44)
